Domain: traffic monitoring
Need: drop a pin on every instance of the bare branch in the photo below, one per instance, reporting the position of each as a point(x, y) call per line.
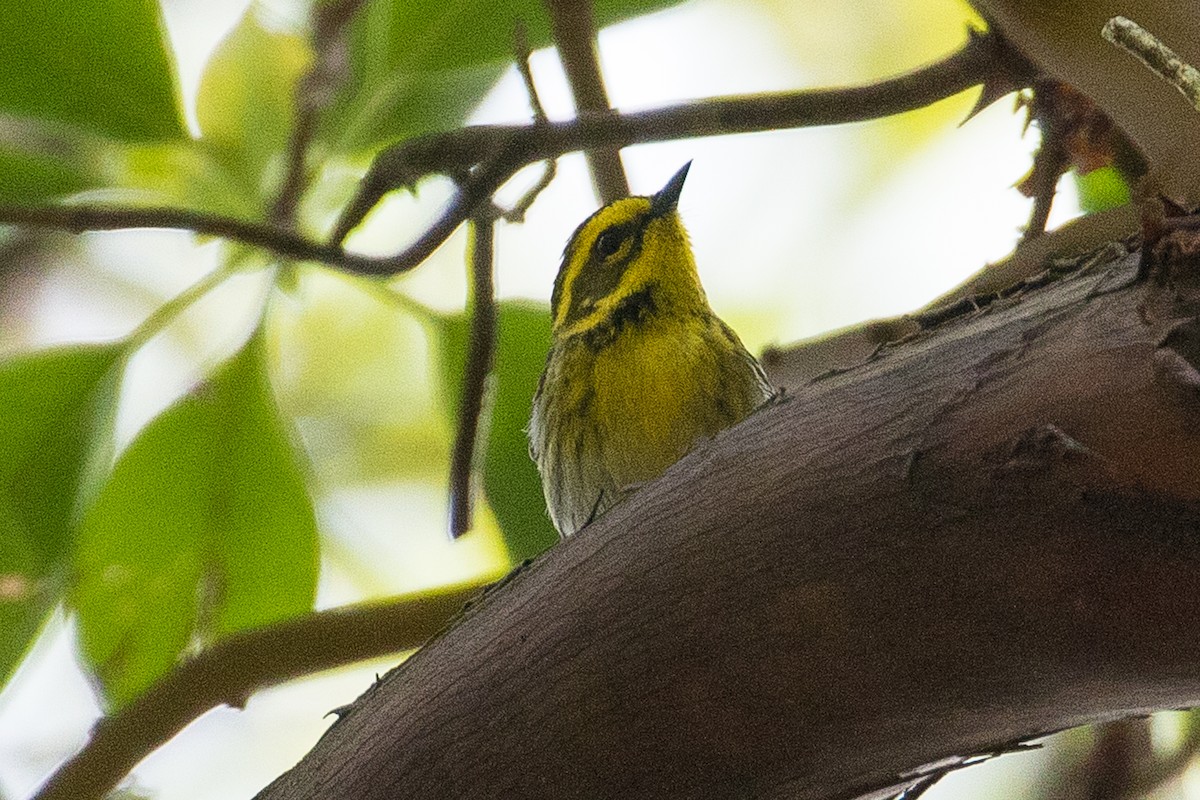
point(480, 350)
point(1150, 50)
point(522, 53)
point(574, 28)
point(80, 218)
point(489, 155)
point(229, 671)
point(550, 168)
point(728, 620)
point(314, 91)
point(522, 206)
point(503, 149)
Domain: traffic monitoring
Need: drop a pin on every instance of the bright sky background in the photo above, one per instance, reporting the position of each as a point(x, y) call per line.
point(795, 233)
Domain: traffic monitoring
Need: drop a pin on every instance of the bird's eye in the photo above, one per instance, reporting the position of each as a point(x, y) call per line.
point(608, 243)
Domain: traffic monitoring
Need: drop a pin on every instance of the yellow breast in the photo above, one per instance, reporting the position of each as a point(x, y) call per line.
point(654, 395)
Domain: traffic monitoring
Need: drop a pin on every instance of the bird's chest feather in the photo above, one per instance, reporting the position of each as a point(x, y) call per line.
point(651, 398)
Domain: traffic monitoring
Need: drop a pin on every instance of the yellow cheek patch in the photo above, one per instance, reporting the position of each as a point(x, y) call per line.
point(580, 257)
point(599, 313)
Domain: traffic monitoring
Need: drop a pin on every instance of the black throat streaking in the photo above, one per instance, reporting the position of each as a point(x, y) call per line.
point(633, 311)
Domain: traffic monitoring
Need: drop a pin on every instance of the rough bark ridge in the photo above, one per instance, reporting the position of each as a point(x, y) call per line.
point(987, 532)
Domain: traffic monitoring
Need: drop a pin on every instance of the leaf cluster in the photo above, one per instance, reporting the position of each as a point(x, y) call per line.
point(205, 524)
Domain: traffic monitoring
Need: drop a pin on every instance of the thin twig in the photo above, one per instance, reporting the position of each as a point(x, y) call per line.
point(521, 207)
point(506, 148)
point(574, 27)
point(314, 92)
point(1150, 50)
point(522, 54)
point(481, 348)
point(81, 218)
point(230, 670)
point(1050, 162)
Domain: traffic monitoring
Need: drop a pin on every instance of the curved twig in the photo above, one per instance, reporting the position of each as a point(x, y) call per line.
point(550, 167)
point(1151, 51)
point(489, 155)
point(503, 149)
point(232, 668)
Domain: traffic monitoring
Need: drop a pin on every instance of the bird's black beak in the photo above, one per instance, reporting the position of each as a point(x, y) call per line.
point(668, 197)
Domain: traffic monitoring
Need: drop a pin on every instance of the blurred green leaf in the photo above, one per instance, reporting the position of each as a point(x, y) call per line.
point(510, 478)
point(267, 532)
point(49, 403)
point(141, 549)
point(360, 378)
point(27, 593)
point(422, 65)
point(1102, 189)
point(103, 65)
point(204, 528)
point(246, 100)
point(29, 179)
point(183, 174)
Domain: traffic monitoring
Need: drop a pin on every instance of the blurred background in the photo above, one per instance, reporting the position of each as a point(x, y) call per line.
point(795, 233)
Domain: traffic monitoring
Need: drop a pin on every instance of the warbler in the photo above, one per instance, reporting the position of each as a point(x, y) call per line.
point(640, 368)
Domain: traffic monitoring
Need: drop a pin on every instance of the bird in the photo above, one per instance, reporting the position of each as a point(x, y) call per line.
point(640, 369)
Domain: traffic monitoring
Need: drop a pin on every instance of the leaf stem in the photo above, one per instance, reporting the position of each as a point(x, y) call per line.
point(168, 311)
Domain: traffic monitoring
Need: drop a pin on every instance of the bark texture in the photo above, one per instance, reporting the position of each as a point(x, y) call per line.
point(987, 532)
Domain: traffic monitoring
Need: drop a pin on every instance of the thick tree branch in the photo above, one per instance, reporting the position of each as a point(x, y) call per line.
point(231, 669)
point(574, 28)
point(983, 534)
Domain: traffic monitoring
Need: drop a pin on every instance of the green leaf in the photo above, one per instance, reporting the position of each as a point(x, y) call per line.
point(246, 100)
point(267, 543)
point(184, 174)
point(203, 528)
point(27, 593)
point(141, 550)
point(49, 403)
point(1102, 189)
point(103, 65)
point(510, 478)
point(29, 179)
point(422, 65)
